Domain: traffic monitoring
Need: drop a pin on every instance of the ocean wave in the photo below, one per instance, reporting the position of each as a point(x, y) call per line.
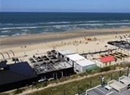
point(5, 31)
point(59, 26)
point(62, 22)
point(125, 20)
point(33, 27)
point(19, 34)
point(24, 33)
point(18, 28)
point(24, 30)
point(48, 23)
point(13, 24)
point(31, 24)
point(16, 34)
point(4, 36)
point(92, 24)
point(95, 21)
point(63, 26)
point(117, 23)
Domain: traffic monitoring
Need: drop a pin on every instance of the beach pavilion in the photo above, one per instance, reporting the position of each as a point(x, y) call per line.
point(106, 61)
point(15, 75)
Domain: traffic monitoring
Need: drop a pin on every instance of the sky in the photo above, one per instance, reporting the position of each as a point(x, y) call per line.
point(65, 6)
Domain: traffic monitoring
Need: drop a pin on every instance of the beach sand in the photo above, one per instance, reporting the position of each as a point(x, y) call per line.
point(74, 40)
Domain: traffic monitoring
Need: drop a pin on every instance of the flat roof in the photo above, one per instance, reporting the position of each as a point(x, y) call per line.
point(66, 52)
point(44, 68)
point(45, 64)
point(50, 67)
point(16, 72)
point(80, 60)
point(75, 57)
point(125, 80)
point(116, 85)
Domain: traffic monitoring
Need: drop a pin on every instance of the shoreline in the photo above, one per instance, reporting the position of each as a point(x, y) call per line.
point(51, 37)
point(62, 40)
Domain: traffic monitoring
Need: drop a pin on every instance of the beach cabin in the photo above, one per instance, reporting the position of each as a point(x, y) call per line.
point(105, 61)
point(80, 64)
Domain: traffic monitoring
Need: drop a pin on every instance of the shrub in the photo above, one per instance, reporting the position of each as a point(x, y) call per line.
point(105, 69)
point(17, 91)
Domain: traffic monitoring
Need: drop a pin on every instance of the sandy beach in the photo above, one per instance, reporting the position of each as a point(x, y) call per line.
point(74, 40)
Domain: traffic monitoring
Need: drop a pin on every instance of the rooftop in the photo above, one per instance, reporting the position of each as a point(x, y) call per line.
point(16, 72)
point(80, 60)
point(44, 64)
point(106, 59)
point(125, 80)
point(116, 85)
point(66, 52)
point(75, 57)
point(3, 64)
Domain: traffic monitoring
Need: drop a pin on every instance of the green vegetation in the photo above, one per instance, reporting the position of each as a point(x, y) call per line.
point(17, 91)
point(42, 84)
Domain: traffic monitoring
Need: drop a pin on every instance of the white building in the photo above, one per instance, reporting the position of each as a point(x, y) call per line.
point(118, 86)
point(125, 80)
point(79, 63)
point(105, 61)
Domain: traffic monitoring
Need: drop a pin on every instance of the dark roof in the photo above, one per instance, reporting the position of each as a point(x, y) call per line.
point(16, 72)
point(107, 59)
point(3, 64)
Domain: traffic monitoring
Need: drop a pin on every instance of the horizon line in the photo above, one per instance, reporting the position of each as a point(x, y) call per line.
point(54, 12)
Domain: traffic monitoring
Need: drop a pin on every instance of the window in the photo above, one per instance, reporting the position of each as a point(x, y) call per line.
point(68, 59)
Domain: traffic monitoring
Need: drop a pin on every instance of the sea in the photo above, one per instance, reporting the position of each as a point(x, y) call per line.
point(23, 23)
